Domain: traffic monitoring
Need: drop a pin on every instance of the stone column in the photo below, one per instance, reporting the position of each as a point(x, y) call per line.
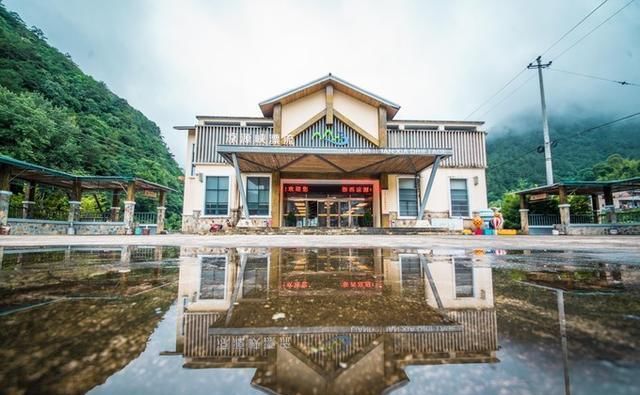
point(129, 209)
point(160, 219)
point(524, 220)
point(5, 197)
point(565, 215)
point(524, 215)
point(74, 215)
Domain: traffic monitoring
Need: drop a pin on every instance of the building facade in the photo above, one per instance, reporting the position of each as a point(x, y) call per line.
point(330, 154)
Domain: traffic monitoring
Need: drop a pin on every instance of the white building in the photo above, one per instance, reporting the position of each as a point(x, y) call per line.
point(330, 154)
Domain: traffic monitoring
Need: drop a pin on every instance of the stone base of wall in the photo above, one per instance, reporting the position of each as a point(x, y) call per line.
point(100, 228)
point(604, 229)
point(395, 222)
point(43, 227)
point(199, 225)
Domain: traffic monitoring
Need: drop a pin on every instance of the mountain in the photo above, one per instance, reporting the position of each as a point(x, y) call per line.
point(53, 114)
point(514, 162)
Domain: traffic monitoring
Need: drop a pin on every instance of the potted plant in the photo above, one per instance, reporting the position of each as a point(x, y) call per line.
point(291, 219)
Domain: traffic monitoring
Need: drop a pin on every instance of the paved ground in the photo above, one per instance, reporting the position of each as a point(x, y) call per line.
point(629, 244)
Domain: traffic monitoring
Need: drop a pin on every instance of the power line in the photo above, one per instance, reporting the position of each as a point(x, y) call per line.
point(496, 93)
point(593, 30)
point(596, 78)
point(574, 27)
point(523, 70)
point(570, 136)
point(506, 97)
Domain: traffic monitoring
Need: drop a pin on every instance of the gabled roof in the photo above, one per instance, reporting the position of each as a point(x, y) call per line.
point(339, 84)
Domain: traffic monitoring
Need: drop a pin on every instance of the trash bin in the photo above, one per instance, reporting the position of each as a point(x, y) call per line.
point(137, 231)
point(146, 231)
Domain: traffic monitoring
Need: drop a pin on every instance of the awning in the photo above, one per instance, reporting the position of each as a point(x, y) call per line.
point(585, 187)
point(339, 161)
point(43, 175)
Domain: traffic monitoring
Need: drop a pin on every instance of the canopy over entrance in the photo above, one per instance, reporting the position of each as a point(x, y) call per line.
point(339, 161)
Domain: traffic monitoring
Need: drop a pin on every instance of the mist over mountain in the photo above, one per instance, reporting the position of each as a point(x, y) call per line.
point(514, 160)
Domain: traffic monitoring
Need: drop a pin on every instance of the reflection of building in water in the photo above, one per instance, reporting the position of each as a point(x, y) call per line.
point(353, 318)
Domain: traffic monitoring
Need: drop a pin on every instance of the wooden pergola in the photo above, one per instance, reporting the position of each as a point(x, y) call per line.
point(12, 169)
point(564, 189)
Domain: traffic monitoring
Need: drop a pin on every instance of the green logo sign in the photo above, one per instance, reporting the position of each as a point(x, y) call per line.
point(334, 137)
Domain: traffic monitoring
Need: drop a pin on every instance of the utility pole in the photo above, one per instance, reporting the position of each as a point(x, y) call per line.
point(545, 123)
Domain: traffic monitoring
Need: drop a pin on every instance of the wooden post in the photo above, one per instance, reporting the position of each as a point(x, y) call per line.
point(329, 101)
point(5, 193)
point(595, 208)
point(74, 204)
point(608, 205)
point(115, 205)
point(5, 177)
point(382, 126)
point(277, 120)
point(562, 193)
point(29, 199)
point(276, 204)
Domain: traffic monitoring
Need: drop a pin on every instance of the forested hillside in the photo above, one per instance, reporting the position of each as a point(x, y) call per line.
point(53, 114)
point(514, 161)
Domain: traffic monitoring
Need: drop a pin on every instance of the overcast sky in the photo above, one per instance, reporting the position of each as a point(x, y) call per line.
point(437, 59)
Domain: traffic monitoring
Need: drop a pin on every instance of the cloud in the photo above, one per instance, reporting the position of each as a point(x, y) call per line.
point(439, 60)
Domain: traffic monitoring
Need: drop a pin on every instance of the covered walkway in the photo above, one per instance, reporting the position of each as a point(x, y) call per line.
point(25, 220)
point(600, 221)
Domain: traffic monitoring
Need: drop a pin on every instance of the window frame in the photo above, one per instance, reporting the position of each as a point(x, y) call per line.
point(204, 197)
point(466, 182)
point(245, 180)
point(461, 260)
point(417, 186)
point(226, 279)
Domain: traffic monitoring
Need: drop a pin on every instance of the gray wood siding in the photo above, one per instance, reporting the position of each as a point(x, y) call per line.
point(306, 139)
point(209, 137)
point(468, 146)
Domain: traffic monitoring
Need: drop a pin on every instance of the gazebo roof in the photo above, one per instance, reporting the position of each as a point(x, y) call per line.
point(585, 187)
point(44, 175)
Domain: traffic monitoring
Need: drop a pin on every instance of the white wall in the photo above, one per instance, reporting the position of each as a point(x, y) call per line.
point(298, 112)
point(194, 188)
point(361, 113)
point(439, 199)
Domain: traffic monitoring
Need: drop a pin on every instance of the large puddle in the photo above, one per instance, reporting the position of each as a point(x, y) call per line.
point(171, 320)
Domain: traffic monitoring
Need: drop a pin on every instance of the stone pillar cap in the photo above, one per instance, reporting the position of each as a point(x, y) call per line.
point(6, 193)
point(129, 202)
point(74, 202)
point(564, 205)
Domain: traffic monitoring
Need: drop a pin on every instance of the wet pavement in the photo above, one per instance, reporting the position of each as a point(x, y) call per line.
point(208, 319)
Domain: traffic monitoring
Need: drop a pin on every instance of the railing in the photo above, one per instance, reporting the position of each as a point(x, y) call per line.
point(145, 218)
point(544, 219)
point(622, 217)
point(582, 219)
point(95, 217)
point(554, 219)
point(40, 213)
